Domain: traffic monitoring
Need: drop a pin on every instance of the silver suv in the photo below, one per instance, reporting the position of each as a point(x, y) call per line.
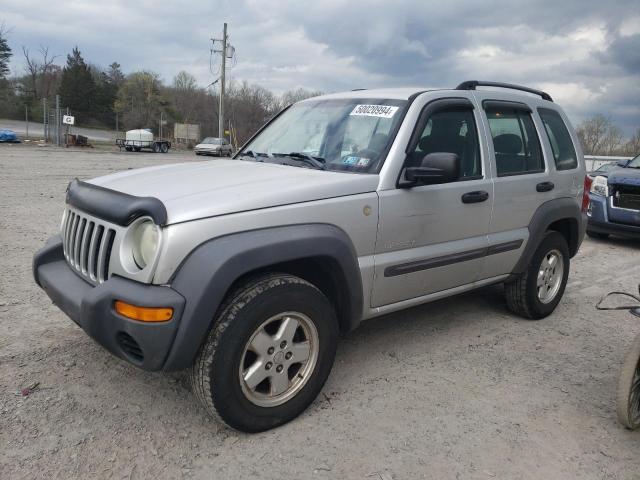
point(342, 208)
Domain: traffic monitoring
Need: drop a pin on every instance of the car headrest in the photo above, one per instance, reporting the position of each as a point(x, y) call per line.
point(508, 143)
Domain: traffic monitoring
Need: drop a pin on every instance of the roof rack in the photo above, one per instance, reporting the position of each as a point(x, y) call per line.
point(472, 84)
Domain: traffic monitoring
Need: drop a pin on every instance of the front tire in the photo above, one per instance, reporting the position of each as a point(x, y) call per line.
point(536, 292)
point(268, 355)
point(628, 398)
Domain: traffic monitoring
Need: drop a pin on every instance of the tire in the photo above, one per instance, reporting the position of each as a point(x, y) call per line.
point(524, 295)
point(164, 148)
point(628, 398)
point(137, 149)
point(599, 236)
point(255, 314)
point(128, 149)
point(156, 148)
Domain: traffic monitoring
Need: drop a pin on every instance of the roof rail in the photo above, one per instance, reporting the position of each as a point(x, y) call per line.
point(472, 84)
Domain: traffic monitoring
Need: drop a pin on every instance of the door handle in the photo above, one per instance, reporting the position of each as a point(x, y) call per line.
point(545, 187)
point(475, 197)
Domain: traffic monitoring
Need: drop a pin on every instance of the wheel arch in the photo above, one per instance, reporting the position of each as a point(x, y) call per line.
point(322, 254)
point(562, 215)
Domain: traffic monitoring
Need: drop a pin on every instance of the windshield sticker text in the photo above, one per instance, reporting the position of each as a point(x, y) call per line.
point(382, 111)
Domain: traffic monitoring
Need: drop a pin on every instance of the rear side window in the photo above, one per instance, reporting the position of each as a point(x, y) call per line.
point(564, 152)
point(515, 142)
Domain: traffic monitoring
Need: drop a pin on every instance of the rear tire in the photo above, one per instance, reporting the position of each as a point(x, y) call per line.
point(246, 373)
point(156, 148)
point(599, 236)
point(628, 398)
point(536, 292)
point(164, 148)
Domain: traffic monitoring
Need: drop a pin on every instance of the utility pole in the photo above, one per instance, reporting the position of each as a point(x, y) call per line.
point(26, 119)
point(223, 66)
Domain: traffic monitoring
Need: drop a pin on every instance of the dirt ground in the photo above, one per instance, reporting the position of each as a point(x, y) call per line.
point(454, 389)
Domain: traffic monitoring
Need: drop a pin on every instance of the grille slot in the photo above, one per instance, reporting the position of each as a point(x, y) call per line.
point(130, 346)
point(87, 245)
point(626, 196)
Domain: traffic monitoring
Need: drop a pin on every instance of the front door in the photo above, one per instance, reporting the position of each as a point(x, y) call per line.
point(434, 237)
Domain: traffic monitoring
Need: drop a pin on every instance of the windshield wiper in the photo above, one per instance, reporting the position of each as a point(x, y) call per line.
point(316, 162)
point(254, 155)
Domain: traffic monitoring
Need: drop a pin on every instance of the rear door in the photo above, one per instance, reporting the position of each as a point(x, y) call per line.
point(433, 237)
point(522, 180)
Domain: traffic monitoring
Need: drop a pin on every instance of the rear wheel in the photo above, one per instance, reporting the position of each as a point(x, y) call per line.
point(128, 149)
point(164, 148)
point(156, 148)
point(536, 292)
point(628, 401)
point(269, 353)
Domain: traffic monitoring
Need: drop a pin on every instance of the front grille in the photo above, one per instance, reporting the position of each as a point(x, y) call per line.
point(87, 245)
point(626, 196)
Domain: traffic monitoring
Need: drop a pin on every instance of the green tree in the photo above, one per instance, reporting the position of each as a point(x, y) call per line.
point(78, 88)
point(140, 100)
point(5, 53)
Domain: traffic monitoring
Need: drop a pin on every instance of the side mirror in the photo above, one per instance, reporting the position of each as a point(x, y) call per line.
point(438, 167)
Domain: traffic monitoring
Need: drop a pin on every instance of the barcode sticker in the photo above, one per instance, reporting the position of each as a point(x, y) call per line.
point(382, 111)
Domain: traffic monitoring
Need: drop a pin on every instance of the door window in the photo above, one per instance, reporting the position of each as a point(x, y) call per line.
point(451, 131)
point(515, 142)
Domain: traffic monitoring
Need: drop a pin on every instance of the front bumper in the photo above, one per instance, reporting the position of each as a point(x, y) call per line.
point(599, 220)
point(146, 345)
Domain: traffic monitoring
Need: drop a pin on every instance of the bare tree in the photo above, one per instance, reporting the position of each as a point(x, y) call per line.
point(612, 141)
point(42, 72)
point(632, 147)
point(592, 133)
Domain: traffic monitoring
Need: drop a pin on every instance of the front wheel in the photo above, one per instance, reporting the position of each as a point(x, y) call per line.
point(628, 401)
point(536, 292)
point(268, 355)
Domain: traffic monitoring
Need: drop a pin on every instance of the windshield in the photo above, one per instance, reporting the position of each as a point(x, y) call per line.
point(635, 163)
point(341, 134)
point(212, 140)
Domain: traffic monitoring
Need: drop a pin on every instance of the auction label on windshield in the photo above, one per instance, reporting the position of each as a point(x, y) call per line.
point(382, 111)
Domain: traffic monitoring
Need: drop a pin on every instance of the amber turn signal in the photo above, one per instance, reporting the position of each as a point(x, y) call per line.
point(144, 314)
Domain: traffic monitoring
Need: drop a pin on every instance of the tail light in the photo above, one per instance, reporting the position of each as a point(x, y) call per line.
point(585, 194)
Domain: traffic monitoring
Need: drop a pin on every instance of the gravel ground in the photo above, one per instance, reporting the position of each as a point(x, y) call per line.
point(454, 389)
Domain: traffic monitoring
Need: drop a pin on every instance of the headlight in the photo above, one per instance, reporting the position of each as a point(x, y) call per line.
point(144, 242)
point(600, 186)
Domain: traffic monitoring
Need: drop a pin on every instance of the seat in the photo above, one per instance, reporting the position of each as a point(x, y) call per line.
point(508, 159)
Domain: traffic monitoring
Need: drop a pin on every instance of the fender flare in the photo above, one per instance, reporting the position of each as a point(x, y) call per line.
point(546, 214)
point(205, 276)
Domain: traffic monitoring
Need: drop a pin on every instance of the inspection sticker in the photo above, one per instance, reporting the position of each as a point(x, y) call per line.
point(382, 111)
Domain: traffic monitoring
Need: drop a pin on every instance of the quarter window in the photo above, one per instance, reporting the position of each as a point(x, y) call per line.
point(451, 131)
point(564, 152)
point(515, 142)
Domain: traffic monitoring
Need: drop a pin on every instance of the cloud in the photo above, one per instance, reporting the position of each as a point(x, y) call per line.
point(585, 52)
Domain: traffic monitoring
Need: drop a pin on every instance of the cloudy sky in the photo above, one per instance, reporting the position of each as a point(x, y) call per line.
point(585, 53)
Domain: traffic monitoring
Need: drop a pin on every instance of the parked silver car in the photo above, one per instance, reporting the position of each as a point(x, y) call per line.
point(220, 147)
point(342, 208)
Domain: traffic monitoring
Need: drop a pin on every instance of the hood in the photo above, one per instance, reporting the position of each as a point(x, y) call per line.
point(624, 176)
point(205, 189)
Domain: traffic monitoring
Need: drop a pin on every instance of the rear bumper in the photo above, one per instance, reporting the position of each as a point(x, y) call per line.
point(146, 345)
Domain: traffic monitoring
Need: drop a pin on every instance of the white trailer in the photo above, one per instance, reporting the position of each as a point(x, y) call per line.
point(136, 140)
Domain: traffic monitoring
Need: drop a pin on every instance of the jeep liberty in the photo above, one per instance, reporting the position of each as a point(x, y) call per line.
point(341, 208)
